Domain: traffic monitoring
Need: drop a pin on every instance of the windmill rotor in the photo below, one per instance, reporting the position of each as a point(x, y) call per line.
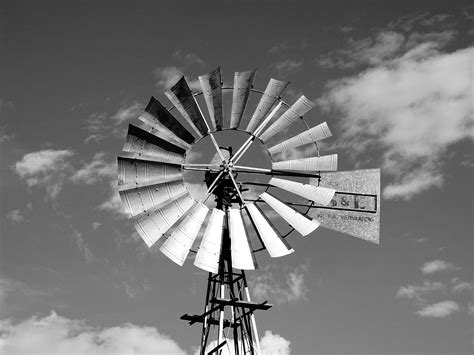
point(156, 196)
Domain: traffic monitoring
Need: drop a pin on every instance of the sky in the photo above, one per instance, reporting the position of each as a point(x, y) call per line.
point(393, 80)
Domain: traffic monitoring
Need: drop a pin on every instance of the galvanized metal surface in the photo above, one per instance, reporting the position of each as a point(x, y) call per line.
point(300, 223)
point(242, 256)
point(242, 84)
point(157, 113)
point(141, 199)
point(324, 163)
point(359, 220)
point(297, 110)
point(321, 195)
point(211, 85)
point(157, 129)
point(275, 245)
point(181, 240)
point(182, 98)
point(314, 134)
point(144, 143)
point(272, 92)
point(207, 257)
point(152, 224)
point(137, 171)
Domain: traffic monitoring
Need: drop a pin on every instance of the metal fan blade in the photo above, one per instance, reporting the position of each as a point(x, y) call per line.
point(160, 131)
point(135, 170)
point(324, 163)
point(141, 199)
point(211, 85)
point(297, 110)
point(242, 84)
point(273, 91)
point(318, 194)
point(158, 116)
point(144, 143)
point(182, 98)
point(152, 224)
point(208, 254)
point(241, 253)
point(181, 240)
point(275, 244)
point(314, 134)
point(302, 224)
point(355, 209)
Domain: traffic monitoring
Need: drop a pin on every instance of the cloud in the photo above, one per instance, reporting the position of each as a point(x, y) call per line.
point(127, 112)
point(411, 109)
point(168, 76)
point(16, 295)
point(96, 170)
point(265, 285)
point(368, 51)
point(82, 246)
point(48, 168)
point(15, 216)
point(419, 292)
point(436, 266)
point(95, 225)
point(439, 310)
point(55, 334)
point(287, 65)
point(460, 286)
point(274, 344)
point(189, 58)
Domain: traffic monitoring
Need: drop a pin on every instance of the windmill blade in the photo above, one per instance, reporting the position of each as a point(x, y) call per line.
point(181, 240)
point(241, 252)
point(355, 209)
point(137, 171)
point(158, 116)
point(144, 143)
point(242, 85)
point(318, 194)
point(211, 85)
point(152, 224)
point(297, 110)
point(141, 199)
point(272, 92)
point(274, 243)
point(164, 133)
point(314, 134)
point(183, 99)
point(300, 223)
point(324, 163)
point(208, 254)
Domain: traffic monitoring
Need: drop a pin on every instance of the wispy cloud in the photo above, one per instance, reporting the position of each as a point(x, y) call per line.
point(420, 292)
point(82, 246)
point(460, 286)
point(287, 65)
point(189, 58)
point(436, 266)
point(266, 285)
point(47, 168)
point(16, 216)
point(168, 76)
point(439, 310)
point(55, 334)
point(96, 170)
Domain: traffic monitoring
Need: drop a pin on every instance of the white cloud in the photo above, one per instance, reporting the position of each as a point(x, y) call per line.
point(419, 292)
point(48, 168)
point(16, 295)
point(274, 344)
point(55, 334)
point(168, 76)
point(95, 225)
point(439, 310)
point(96, 170)
point(265, 286)
point(188, 58)
point(82, 246)
point(15, 216)
point(127, 112)
point(412, 109)
point(460, 286)
point(435, 266)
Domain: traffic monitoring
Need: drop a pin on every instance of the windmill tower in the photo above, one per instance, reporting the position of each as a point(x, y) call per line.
point(154, 194)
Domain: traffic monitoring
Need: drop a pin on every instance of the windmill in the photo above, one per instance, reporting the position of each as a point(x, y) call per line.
point(155, 194)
